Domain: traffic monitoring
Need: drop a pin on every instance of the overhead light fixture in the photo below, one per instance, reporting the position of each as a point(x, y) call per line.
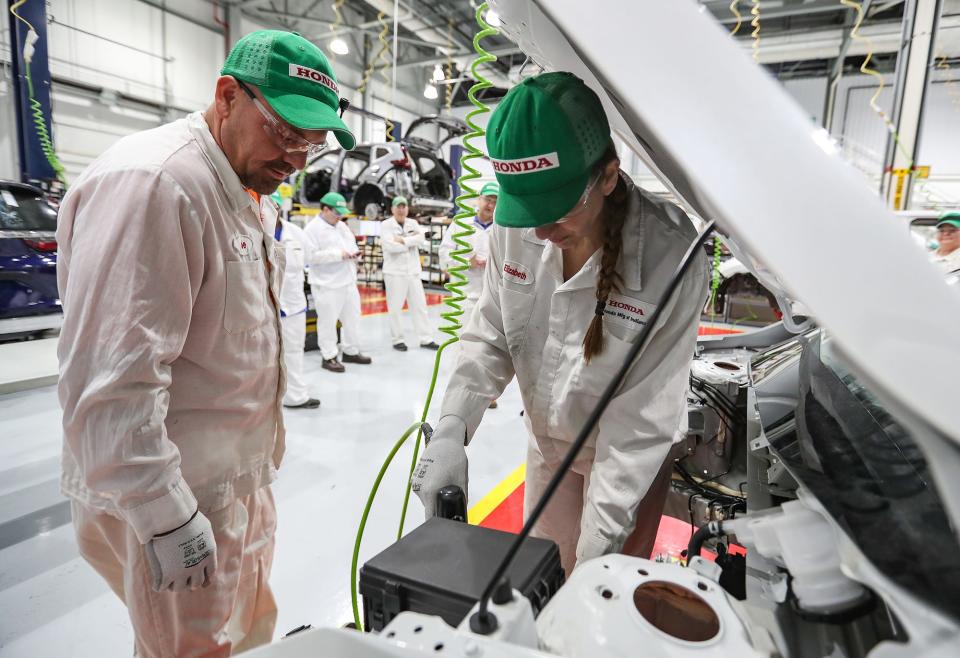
point(339, 46)
point(438, 73)
point(430, 92)
point(493, 18)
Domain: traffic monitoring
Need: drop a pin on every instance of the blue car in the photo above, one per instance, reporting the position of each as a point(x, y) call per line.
point(29, 300)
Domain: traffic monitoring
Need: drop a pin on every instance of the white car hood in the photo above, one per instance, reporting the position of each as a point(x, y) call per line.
point(677, 89)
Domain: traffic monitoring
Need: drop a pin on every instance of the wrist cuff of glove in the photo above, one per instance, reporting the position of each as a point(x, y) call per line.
point(171, 510)
point(451, 427)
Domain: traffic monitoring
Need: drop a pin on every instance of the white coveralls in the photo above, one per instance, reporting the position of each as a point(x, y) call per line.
point(949, 264)
point(401, 277)
point(480, 241)
point(333, 282)
point(293, 310)
point(531, 323)
point(171, 380)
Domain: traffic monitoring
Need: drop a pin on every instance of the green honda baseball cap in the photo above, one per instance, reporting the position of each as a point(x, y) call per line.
point(335, 201)
point(294, 76)
point(543, 140)
point(397, 200)
point(490, 189)
point(951, 217)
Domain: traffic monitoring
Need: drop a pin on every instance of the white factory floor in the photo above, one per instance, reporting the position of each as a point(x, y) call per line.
point(53, 604)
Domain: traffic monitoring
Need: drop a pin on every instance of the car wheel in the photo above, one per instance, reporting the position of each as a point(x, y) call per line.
point(372, 210)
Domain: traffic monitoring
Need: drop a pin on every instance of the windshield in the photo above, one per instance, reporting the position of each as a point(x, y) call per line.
point(924, 233)
point(24, 210)
point(869, 473)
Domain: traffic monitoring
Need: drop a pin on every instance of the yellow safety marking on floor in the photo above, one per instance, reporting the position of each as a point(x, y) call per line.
point(493, 500)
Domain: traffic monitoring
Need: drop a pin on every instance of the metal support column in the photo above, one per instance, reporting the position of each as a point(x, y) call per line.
point(920, 20)
point(367, 97)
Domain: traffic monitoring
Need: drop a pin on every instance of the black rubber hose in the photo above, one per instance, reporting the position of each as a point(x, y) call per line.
point(705, 532)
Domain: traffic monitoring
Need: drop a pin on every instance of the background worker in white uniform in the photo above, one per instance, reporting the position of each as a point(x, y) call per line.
point(400, 240)
point(293, 314)
point(578, 260)
point(479, 241)
point(170, 371)
point(947, 255)
point(332, 257)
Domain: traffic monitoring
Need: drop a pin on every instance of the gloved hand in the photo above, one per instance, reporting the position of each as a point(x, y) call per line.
point(184, 558)
point(443, 462)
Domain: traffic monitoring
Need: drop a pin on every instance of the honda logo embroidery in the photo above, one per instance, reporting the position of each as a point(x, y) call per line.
point(243, 244)
point(529, 165)
point(517, 273)
point(627, 311)
point(307, 73)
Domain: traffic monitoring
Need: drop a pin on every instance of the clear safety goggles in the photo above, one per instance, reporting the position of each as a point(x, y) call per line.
point(283, 136)
point(582, 202)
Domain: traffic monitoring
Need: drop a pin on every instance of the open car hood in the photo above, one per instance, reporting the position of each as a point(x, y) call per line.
point(448, 128)
point(787, 202)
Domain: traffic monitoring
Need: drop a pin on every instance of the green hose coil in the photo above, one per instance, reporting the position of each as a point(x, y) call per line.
point(40, 124)
point(458, 280)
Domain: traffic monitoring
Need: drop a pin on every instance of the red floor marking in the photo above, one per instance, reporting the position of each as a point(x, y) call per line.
point(717, 331)
point(673, 535)
point(373, 301)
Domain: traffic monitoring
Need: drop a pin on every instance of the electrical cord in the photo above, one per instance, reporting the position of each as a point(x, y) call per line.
point(363, 522)
point(755, 35)
point(484, 623)
point(456, 285)
point(459, 270)
point(736, 12)
point(382, 56)
point(36, 107)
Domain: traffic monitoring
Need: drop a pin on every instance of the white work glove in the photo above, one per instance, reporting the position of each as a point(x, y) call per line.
point(184, 558)
point(443, 463)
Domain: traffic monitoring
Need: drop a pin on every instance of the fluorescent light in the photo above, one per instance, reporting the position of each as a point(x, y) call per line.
point(493, 18)
point(430, 92)
point(438, 73)
point(339, 46)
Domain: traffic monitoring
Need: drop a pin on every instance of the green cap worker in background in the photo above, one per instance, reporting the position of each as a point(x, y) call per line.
point(947, 255)
point(170, 327)
point(401, 239)
point(332, 257)
point(578, 259)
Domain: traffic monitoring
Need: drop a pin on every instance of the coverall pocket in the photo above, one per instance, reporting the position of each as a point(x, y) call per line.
point(245, 307)
point(516, 309)
point(594, 377)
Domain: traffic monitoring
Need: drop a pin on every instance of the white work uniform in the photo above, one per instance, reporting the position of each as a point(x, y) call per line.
point(333, 282)
point(170, 375)
point(531, 323)
point(949, 264)
point(293, 310)
point(479, 240)
point(401, 277)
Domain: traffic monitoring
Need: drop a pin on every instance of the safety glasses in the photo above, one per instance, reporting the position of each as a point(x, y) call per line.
point(582, 203)
point(281, 135)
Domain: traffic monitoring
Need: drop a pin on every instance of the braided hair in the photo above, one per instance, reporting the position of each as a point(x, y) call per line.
point(613, 214)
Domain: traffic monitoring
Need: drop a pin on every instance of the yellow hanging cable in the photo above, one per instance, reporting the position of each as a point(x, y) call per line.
point(448, 98)
point(755, 22)
point(865, 69)
point(337, 19)
point(734, 9)
point(385, 59)
point(952, 89)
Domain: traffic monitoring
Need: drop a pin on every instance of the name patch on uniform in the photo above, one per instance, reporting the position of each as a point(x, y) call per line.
point(307, 73)
point(243, 244)
point(627, 311)
point(527, 165)
point(517, 273)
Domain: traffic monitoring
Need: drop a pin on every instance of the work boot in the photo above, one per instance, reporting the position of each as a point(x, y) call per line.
point(333, 365)
point(357, 358)
point(400, 347)
point(432, 345)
